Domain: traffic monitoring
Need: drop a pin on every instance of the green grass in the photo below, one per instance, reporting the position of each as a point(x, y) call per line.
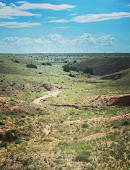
point(102, 65)
point(63, 147)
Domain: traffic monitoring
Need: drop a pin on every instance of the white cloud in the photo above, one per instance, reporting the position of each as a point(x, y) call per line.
point(59, 21)
point(56, 43)
point(9, 12)
point(94, 17)
point(18, 24)
point(58, 39)
point(88, 39)
point(26, 6)
point(100, 17)
point(73, 14)
point(2, 4)
point(12, 11)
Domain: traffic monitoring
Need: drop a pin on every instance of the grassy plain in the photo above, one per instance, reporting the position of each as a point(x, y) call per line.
point(76, 130)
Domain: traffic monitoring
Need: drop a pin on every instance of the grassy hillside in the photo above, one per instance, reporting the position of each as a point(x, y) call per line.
point(103, 66)
point(80, 128)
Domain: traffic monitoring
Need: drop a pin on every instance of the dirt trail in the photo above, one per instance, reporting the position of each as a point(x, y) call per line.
point(50, 94)
point(97, 136)
point(102, 119)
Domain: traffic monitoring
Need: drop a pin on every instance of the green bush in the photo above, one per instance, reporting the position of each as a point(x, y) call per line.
point(88, 70)
point(72, 75)
point(66, 68)
point(85, 125)
point(27, 138)
point(125, 123)
point(31, 66)
point(48, 63)
point(3, 144)
point(1, 136)
point(83, 156)
point(10, 135)
point(18, 141)
point(73, 68)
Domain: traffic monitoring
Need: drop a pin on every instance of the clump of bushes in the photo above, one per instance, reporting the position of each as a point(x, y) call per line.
point(125, 123)
point(72, 75)
point(3, 144)
point(10, 135)
point(31, 66)
point(16, 61)
point(68, 68)
point(47, 64)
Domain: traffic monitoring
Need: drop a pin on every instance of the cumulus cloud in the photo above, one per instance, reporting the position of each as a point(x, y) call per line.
point(57, 43)
point(100, 17)
point(18, 24)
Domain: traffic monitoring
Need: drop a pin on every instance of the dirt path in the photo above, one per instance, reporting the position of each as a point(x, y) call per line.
point(50, 94)
point(97, 136)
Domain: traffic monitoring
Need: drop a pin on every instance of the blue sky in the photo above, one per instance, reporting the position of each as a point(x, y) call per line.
point(49, 26)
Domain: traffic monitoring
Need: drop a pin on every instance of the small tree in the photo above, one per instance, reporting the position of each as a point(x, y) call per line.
point(66, 68)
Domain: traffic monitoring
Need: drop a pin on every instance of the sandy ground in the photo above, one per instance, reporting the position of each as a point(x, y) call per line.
point(50, 94)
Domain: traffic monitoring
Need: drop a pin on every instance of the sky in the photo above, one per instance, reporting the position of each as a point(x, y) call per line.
point(65, 26)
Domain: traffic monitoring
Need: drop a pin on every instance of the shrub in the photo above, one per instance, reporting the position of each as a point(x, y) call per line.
point(2, 123)
point(66, 68)
point(48, 63)
point(18, 141)
point(10, 135)
point(72, 75)
point(85, 125)
point(16, 61)
point(1, 136)
point(125, 123)
point(3, 144)
point(27, 138)
point(43, 64)
point(31, 66)
point(83, 156)
point(88, 70)
point(73, 68)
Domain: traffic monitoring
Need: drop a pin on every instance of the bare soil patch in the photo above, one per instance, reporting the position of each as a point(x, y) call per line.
point(118, 100)
point(47, 129)
point(7, 107)
point(112, 77)
point(48, 87)
point(51, 94)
